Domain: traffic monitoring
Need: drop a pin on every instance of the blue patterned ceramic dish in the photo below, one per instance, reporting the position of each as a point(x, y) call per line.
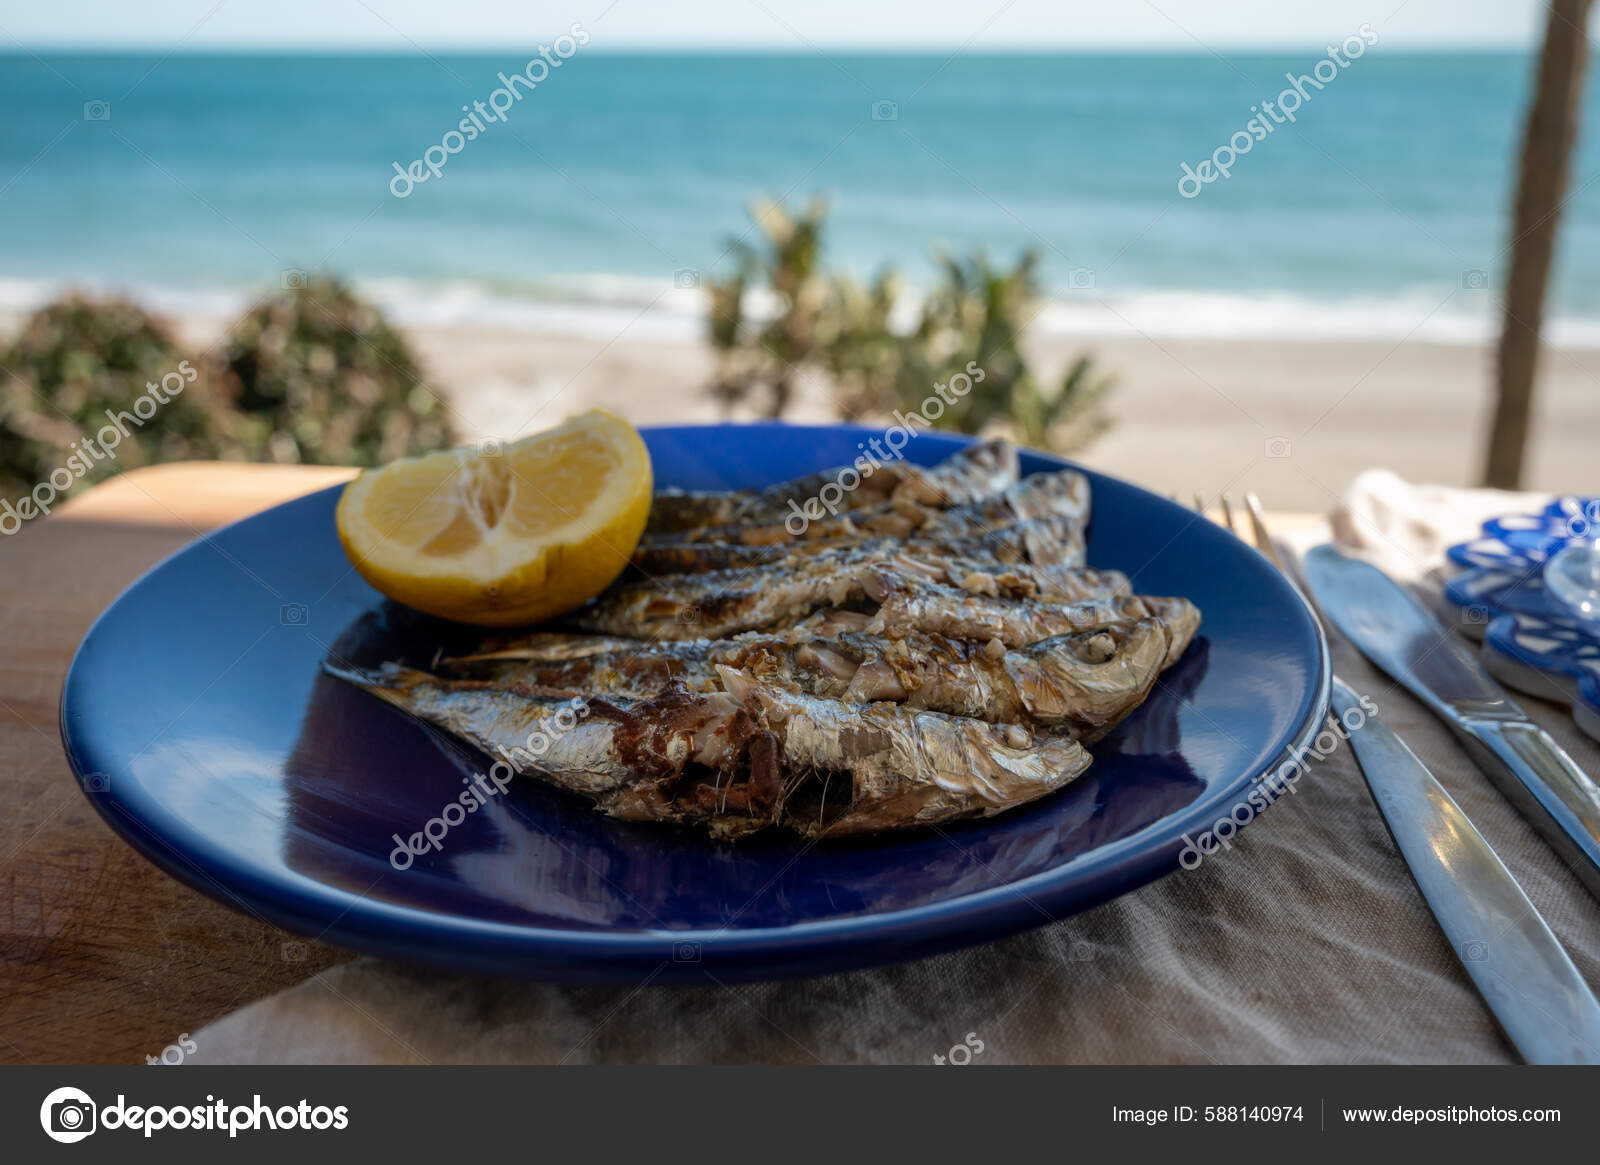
point(1530, 640)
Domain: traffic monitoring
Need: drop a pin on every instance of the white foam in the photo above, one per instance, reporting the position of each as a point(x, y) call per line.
point(609, 306)
point(1467, 317)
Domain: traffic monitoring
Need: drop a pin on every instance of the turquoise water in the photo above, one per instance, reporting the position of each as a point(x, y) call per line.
point(213, 173)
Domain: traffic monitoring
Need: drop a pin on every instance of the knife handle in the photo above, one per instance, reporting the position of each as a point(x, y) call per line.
point(1546, 785)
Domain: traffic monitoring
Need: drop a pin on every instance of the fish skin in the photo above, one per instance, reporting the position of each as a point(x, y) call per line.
point(631, 756)
point(980, 470)
point(639, 759)
point(721, 603)
point(1051, 539)
point(1048, 540)
point(1062, 493)
point(1077, 683)
point(551, 645)
point(1080, 683)
point(1059, 581)
point(499, 721)
point(679, 514)
point(1057, 689)
point(908, 598)
point(905, 767)
point(1180, 617)
point(1018, 622)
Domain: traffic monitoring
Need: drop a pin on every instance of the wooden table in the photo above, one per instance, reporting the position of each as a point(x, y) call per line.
point(103, 958)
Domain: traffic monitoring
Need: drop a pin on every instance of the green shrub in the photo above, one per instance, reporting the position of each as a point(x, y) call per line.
point(864, 356)
point(755, 358)
point(975, 316)
point(323, 379)
point(313, 375)
point(78, 359)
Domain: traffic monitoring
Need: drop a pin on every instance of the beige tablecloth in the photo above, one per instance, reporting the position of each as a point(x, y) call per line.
point(1306, 943)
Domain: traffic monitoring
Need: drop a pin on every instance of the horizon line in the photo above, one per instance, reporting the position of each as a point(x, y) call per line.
point(363, 48)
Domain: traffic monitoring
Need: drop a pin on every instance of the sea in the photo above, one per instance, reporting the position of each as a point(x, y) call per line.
point(601, 189)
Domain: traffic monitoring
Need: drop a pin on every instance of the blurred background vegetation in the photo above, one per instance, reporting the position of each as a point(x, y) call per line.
point(315, 375)
point(310, 375)
point(74, 360)
point(814, 321)
point(321, 378)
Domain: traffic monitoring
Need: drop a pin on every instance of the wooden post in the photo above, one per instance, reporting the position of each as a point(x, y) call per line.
point(1541, 185)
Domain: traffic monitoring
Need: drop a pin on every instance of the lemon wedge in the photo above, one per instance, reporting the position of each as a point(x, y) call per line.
point(503, 537)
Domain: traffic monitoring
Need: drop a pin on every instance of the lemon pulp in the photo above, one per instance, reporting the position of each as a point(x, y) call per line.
point(503, 536)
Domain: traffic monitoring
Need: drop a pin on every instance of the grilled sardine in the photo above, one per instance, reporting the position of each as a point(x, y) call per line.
point(978, 471)
point(746, 757)
point(721, 603)
point(925, 606)
point(1063, 493)
point(887, 767)
point(1048, 540)
point(1080, 682)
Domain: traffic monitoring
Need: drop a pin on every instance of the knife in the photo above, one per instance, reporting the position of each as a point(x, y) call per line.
point(1530, 769)
point(1541, 1002)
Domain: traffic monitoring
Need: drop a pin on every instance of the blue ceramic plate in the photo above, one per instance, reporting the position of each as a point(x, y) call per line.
point(201, 727)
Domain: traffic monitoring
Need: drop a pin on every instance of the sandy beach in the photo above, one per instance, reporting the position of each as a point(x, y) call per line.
point(1292, 421)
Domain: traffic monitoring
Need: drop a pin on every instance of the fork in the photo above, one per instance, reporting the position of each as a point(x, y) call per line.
point(1522, 972)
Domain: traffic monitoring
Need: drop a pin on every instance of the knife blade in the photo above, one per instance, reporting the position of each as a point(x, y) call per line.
point(1525, 977)
point(1398, 634)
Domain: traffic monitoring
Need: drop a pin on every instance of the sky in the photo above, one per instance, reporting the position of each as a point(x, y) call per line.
point(797, 25)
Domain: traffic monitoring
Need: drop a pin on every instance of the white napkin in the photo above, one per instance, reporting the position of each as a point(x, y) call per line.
point(1406, 528)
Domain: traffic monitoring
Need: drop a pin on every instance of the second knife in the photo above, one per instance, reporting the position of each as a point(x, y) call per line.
point(1530, 769)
